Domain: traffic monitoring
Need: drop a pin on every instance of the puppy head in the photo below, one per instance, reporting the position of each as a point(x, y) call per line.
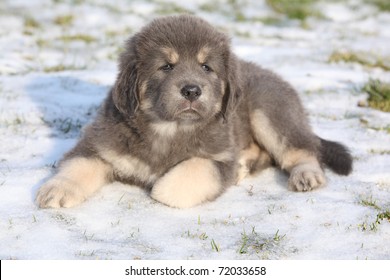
point(177, 69)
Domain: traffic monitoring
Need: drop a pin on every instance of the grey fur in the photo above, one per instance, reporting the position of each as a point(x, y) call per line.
point(146, 93)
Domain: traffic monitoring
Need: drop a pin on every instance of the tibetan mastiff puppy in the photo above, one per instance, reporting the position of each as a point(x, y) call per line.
point(186, 119)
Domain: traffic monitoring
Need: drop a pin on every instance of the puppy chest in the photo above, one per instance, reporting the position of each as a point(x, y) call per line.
point(127, 166)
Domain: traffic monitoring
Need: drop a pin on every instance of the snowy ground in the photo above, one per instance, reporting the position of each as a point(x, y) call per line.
point(57, 61)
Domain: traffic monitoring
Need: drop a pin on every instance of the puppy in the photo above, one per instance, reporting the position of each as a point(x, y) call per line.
point(186, 119)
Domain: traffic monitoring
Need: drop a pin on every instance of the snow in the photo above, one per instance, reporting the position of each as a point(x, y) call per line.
point(42, 112)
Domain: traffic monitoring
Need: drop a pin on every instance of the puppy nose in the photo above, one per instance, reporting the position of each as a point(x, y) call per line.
point(191, 92)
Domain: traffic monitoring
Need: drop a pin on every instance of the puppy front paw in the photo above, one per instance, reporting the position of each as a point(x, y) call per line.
point(59, 192)
point(306, 178)
point(188, 184)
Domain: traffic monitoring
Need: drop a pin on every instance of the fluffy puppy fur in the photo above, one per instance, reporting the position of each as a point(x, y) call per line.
point(186, 119)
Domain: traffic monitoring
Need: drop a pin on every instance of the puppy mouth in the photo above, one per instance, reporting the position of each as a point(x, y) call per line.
point(189, 110)
point(189, 115)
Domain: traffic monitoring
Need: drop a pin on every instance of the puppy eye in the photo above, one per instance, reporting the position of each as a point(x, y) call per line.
point(206, 68)
point(167, 67)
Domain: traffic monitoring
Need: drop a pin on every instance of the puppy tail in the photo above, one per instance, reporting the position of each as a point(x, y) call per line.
point(336, 156)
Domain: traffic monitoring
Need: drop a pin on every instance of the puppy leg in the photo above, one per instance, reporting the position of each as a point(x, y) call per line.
point(189, 183)
point(77, 179)
point(305, 171)
point(252, 159)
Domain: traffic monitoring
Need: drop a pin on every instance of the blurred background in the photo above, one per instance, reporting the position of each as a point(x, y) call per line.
point(65, 35)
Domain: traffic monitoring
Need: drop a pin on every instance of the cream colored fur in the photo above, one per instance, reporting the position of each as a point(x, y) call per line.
point(252, 153)
point(76, 180)
point(188, 184)
point(164, 128)
point(305, 171)
point(127, 165)
point(202, 54)
point(172, 55)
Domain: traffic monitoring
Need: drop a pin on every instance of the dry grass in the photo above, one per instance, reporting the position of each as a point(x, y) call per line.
point(365, 59)
point(296, 9)
point(378, 94)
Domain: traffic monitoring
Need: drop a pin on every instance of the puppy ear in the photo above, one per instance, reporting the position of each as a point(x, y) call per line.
point(125, 92)
point(232, 88)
